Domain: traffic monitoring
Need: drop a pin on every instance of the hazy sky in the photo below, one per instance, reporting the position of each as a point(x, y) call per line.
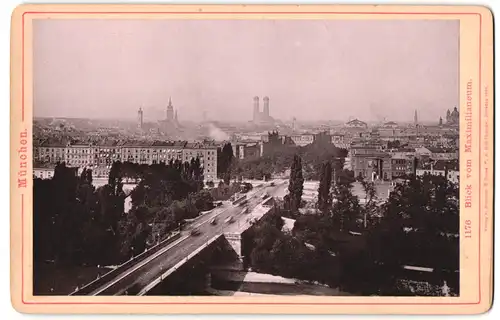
point(310, 69)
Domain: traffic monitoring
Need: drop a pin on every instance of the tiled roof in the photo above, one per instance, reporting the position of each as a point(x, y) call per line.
point(53, 143)
point(136, 144)
point(400, 155)
point(372, 154)
point(165, 143)
point(195, 145)
point(107, 143)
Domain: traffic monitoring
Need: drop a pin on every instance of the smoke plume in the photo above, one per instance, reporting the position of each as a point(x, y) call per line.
point(216, 133)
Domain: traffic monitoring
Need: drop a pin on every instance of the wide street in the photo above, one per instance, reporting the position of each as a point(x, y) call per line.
point(134, 279)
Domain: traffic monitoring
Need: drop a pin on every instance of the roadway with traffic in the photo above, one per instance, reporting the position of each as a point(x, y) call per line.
point(135, 278)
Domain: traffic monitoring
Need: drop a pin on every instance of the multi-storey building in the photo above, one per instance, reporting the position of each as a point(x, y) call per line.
point(50, 152)
point(47, 170)
point(106, 153)
point(448, 169)
point(207, 155)
point(100, 172)
point(80, 155)
point(302, 139)
point(443, 154)
point(371, 163)
point(43, 172)
point(165, 151)
point(101, 156)
point(137, 152)
point(401, 164)
point(247, 150)
point(338, 139)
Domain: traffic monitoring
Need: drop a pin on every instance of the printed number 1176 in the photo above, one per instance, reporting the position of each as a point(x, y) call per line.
point(468, 229)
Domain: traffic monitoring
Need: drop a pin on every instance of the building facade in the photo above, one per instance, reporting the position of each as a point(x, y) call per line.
point(207, 155)
point(443, 154)
point(43, 173)
point(80, 155)
point(368, 162)
point(302, 140)
point(100, 157)
point(247, 150)
point(402, 165)
point(49, 152)
point(449, 169)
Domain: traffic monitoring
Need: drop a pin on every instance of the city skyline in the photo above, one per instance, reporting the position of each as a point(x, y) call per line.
point(317, 69)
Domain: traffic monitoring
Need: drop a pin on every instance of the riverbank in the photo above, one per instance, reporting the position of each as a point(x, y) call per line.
point(254, 283)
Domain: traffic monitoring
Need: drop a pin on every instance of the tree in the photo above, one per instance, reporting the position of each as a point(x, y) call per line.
point(115, 174)
point(296, 185)
point(225, 161)
point(324, 196)
point(134, 232)
point(420, 224)
point(415, 166)
point(203, 200)
point(196, 173)
point(346, 208)
point(370, 198)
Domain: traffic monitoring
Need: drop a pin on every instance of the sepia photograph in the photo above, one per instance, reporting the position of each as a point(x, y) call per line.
point(276, 157)
point(257, 159)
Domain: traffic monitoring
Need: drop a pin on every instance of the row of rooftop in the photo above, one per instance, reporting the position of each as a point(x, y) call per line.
point(55, 143)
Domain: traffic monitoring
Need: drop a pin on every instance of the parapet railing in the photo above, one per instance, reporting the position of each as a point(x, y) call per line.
point(239, 200)
point(177, 266)
point(94, 285)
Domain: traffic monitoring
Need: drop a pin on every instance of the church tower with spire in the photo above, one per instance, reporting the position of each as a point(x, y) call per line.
point(170, 110)
point(415, 118)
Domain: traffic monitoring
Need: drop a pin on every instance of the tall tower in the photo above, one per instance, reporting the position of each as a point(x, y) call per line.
point(256, 110)
point(266, 107)
point(415, 118)
point(170, 110)
point(175, 117)
point(139, 118)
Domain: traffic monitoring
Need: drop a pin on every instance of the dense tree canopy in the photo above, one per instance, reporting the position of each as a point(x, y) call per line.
point(280, 158)
point(75, 223)
point(417, 225)
point(272, 251)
